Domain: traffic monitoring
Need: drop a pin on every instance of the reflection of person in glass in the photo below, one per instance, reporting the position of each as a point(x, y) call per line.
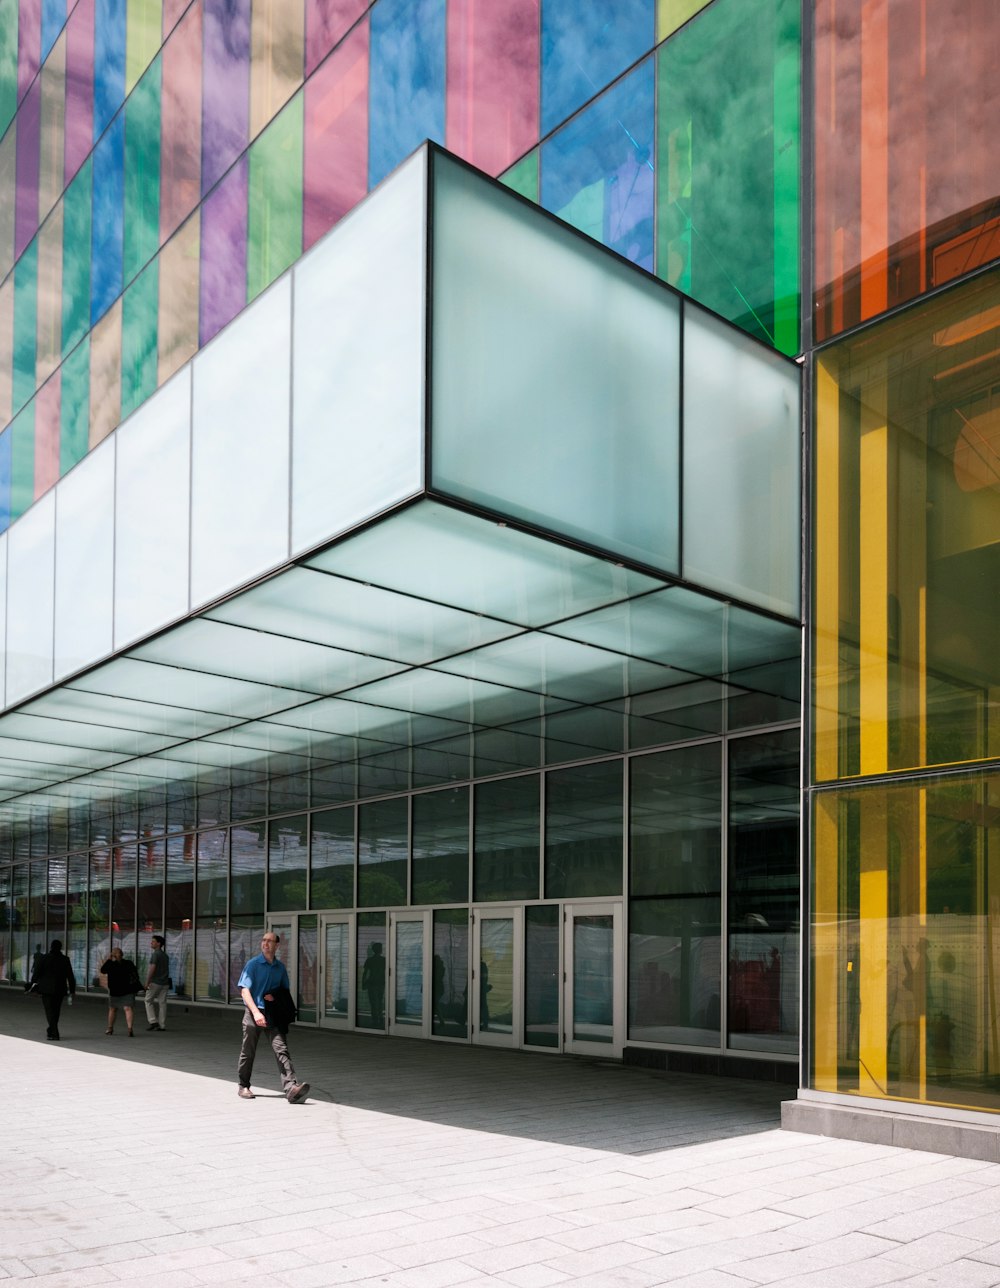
point(484, 990)
point(437, 988)
point(373, 982)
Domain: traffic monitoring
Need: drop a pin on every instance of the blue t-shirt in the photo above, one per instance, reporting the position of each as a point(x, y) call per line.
point(261, 977)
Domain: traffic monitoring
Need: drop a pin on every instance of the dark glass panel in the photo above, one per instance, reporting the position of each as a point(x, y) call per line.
point(306, 972)
point(441, 846)
point(123, 877)
point(179, 911)
point(287, 862)
point(674, 971)
point(371, 971)
point(506, 839)
point(584, 831)
point(76, 918)
point(382, 853)
point(450, 974)
point(99, 916)
point(542, 975)
point(676, 823)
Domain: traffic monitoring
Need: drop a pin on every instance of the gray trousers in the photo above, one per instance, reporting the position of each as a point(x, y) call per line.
point(156, 1004)
point(252, 1034)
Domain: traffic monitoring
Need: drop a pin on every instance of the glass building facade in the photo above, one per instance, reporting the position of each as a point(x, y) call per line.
point(562, 606)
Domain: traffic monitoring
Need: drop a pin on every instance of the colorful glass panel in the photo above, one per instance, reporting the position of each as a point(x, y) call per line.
point(671, 14)
point(336, 136)
point(180, 144)
point(274, 221)
point(77, 219)
point(22, 461)
point(79, 87)
point(29, 128)
point(223, 289)
point(74, 433)
point(523, 177)
point(109, 61)
point(50, 252)
point(8, 171)
point(327, 22)
point(53, 17)
point(178, 299)
point(139, 314)
point(142, 173)
point(276, 58)
point(8, 63)
point(492, 78)
point(25, 326)
point(105, 374)
point(142, 38)
point(6, 349)
point(226, 103)
point(51, 164)
point(107, 227)
point(407, 81)
point(29, 43)
point(47, 414)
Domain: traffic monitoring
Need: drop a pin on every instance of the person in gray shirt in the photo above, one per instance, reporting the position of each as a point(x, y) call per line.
point(157, 986)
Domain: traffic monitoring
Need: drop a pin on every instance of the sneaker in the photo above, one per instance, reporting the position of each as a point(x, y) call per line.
point(151, 1028)
point(245, 1093)
point(298, 1093)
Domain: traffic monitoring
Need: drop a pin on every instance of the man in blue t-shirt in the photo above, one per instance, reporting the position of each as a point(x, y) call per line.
point(262, 976)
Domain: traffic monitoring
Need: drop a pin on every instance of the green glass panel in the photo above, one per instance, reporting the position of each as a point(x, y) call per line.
point(142, 172)
point(728, 164)
point(8, 62)
point(139, 314)
point(274, 236)
point(76, 257)
point(22, 461)
point(25, 325)
point(522, 177)
point(74, 430)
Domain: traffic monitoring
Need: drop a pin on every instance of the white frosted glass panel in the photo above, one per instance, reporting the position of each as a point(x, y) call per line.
point(239, 451)
point(85, 538)
point(741, 466)
point(555, 375)
point(3, 616)
point(359, 331)
point(152, 512)
point(30, 598)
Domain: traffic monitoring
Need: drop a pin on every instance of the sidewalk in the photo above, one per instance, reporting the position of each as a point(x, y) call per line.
point(424, 1165)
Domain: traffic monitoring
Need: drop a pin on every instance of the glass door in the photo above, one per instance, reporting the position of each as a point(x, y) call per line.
point(335, 970)
point(593, 991)
point(408, 995)
point(287, 950)
point(496, 976)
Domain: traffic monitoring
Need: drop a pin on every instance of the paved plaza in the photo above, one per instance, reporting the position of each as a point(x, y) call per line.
point(423, 1165)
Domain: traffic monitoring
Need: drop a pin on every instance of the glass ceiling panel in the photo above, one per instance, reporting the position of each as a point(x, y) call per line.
point(480, 565)
point(754, 639)
point(34, 753)
point(90, 737)
point(313, 605)
point(339, 716)
point(125, 713)
point(263, 657)
point(265, 737)
point(455, 696)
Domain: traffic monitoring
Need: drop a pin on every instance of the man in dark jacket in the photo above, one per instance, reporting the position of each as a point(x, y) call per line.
point(53, 977)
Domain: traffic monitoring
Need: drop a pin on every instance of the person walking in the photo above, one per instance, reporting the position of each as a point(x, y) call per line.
point(123, 981)
point(266, 992)
point(53, 978)
point(157, 986)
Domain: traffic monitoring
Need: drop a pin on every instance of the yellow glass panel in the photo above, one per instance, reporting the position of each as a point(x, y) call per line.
point(829, 963)
point(826, 578)
point(277, 39)
point(49, 344)
point(671, 14)
point(142, 38)
point(178, 320)
point(53, 127)
point(106, 374)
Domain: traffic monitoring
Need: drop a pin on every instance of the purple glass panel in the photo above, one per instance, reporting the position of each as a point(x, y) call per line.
point(79, 87)
point(29, 44)
point(29, 128)
point(223, 252)
point(327, 21)
point(225, 121)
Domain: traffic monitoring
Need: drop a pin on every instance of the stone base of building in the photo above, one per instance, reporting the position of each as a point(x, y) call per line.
point(727, 1066)
point(959, 1137)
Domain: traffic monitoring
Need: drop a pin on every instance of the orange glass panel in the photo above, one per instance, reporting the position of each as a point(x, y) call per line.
point(180, 124)
point(106, 374)
point(907, 180)
point(47, 413)
point(277, 38)
point(178, 320)
point(50, 248)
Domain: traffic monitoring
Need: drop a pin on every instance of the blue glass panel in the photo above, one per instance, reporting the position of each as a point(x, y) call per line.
point(53, 18)
point(598, 172)
point(585, 46)
point(109, 197)
point(109, 62)
point(407, 81)
point(5, 442)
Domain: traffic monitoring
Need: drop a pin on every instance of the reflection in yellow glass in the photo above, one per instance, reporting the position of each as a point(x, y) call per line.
point(671, 14)
point(277, 39)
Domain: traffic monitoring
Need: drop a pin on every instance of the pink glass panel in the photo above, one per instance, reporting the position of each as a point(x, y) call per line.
point(226, 80)
point(336, 136)
point(29, 43)
point(327, 21)
point(180, 123)
point(47, 408)
point(223, 252)
point(29, 133)
point(79, 87)
point(493, 79)
point(172, 10)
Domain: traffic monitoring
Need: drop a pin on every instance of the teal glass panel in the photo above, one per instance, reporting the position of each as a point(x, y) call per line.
point(139, 328)
point(8, 62)
point(441, 846)
point(382, 853)
point(584, 831)
point(274, 233)
point(728, 164)
point(522, 177)
point(741, 466)
point(555, 376)
point(22, 462)
point(598, 172)
point(6, 444)
point(107, 231)
point(76, 257)
point(331, 859)
point(25, 325)
point(507, 835)
point(142, 172)
point(74, 429)
point(287, 863)
point(585, 46)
